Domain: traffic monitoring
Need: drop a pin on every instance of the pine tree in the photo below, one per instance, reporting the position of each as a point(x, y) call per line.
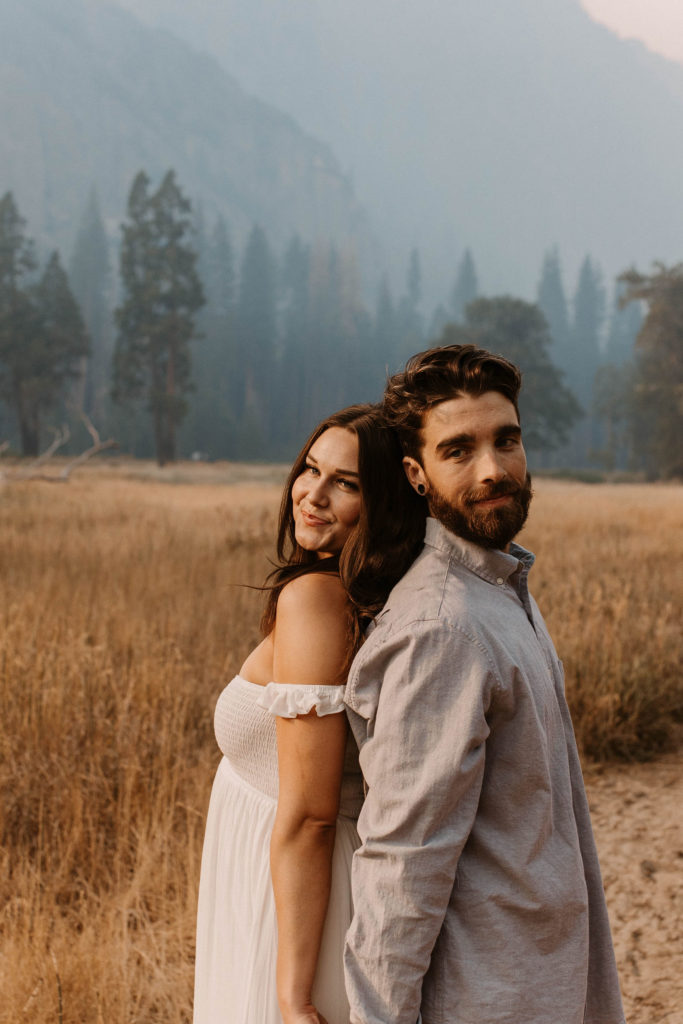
point(440, 320)
point(656, 406)
point(63, 333)
point(255, 332)
point(297, 363)
point(385, 331)
point(585, 346)
point(586, 330)
point(42, 335)
point(17, 262)
point(210, 427)
point(466, 287)
point(89, 274)
point(624, 326)
point(552, 302)
point(614, 384)
point(220, 276)
point(409, 324)
point(162, 294)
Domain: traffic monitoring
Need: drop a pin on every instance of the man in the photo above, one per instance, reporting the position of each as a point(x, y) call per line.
point(477, 890)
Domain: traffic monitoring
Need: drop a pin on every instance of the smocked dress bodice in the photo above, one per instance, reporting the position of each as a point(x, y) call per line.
point(244, 723)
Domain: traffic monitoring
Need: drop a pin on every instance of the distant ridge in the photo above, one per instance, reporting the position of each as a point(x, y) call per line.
point(505, 125)
point(88, 96)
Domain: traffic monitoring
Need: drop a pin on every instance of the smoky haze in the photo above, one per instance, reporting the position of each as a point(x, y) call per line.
point(347, 181)
point(507, 126)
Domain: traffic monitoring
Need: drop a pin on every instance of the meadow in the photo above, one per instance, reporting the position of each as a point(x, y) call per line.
point(124, 610)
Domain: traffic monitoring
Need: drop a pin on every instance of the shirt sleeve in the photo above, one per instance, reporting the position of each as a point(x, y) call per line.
point(424, 695)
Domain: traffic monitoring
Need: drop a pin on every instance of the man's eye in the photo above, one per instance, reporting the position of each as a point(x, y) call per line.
point(457, 453)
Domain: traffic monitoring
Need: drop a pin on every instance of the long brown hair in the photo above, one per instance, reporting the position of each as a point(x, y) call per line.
point(384, 541)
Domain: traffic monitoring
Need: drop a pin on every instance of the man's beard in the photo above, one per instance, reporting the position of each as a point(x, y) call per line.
point(490, 528)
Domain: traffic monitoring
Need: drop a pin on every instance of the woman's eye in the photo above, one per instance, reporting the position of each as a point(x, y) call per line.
point(313, 470)
point(348, 485)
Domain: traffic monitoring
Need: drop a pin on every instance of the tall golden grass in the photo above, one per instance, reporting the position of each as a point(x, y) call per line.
point(122, 618)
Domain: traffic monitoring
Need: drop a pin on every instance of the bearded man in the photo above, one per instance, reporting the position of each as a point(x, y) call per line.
point(477, 889)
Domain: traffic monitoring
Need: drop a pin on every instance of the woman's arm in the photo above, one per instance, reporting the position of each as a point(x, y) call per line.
point(310, 647)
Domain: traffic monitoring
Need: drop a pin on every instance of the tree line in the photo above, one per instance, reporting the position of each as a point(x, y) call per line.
point(193, 348)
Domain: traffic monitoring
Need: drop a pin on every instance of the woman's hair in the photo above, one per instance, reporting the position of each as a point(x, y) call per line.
point(384, 541)
point(437, 375)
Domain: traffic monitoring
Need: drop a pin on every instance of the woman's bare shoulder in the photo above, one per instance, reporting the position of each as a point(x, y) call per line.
point(311, 634)
point(313, 592)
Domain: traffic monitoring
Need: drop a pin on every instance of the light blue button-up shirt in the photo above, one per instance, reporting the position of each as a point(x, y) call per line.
point(477, 890)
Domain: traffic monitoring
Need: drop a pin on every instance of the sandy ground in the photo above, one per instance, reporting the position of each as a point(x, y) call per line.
point(637, 815)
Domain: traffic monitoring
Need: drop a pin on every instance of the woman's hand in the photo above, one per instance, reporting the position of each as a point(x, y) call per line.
point(306, 1015)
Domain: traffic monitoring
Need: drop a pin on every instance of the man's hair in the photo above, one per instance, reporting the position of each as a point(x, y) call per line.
point(438, 375)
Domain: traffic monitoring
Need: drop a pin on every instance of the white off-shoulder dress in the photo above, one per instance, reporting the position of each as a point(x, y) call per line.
point(236, 922)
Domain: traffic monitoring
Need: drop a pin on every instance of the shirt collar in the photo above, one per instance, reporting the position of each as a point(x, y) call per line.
point(492, 565)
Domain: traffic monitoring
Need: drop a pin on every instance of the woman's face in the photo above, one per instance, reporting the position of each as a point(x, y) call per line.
point(326, 495)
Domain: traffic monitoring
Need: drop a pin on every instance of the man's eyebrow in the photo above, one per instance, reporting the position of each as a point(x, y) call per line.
point(510, 428)
point(506, 430)
point(453, 442)
point(342, 472)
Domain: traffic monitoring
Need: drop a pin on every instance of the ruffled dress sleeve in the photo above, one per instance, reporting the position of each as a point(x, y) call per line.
point(289, 700)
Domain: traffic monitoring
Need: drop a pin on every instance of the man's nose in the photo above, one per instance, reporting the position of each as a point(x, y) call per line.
point(490, 466)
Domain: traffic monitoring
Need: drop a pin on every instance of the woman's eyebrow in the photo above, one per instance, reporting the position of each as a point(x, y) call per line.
point(343, 472)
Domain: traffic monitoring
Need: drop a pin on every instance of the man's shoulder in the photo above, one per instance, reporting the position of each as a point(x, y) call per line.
point(426, 608)
point(434, 590)
point(416, 599)
point(424, 630)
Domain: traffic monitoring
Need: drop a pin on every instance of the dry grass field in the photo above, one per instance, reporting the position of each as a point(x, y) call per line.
point(122, 615)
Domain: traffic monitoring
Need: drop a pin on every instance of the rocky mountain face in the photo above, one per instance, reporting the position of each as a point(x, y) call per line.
point(89, 96)
point(506, 125)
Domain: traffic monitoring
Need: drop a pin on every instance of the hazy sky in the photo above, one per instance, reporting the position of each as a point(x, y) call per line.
point(658, 23)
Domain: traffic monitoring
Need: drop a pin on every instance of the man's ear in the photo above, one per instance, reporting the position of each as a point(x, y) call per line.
point(416, 474)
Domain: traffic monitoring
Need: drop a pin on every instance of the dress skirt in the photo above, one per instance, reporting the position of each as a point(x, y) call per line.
point(236, 922)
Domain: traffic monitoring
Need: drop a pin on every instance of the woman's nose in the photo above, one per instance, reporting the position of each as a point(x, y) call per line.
point(317, 493)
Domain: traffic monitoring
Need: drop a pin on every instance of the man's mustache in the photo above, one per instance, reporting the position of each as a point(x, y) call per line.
point(493, 491)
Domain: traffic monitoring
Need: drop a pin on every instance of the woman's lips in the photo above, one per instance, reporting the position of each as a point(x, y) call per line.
point(312, 520)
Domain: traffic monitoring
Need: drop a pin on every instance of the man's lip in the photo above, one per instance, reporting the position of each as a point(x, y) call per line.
point(496, 500)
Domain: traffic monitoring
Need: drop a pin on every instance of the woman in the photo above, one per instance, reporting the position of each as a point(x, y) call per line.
point(275, 894)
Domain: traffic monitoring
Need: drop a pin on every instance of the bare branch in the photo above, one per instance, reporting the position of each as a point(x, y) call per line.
point(60, 438)
point(89, 424)
point(95, 449)
point(31, 472)
point(85, 419)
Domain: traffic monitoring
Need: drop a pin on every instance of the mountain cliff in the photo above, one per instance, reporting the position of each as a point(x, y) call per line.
point(506, 125)
point(88, 96)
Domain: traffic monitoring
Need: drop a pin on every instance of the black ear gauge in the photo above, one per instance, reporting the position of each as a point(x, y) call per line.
point(421, 489)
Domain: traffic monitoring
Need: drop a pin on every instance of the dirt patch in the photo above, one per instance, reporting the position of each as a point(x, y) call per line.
point(638, 822)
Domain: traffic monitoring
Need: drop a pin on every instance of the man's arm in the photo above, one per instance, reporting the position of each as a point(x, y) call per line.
point(423, 762)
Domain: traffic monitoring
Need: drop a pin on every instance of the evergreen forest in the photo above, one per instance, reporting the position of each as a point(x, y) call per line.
point(180, 343)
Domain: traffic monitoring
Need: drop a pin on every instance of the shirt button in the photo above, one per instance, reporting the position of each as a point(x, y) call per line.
point(500, 581)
